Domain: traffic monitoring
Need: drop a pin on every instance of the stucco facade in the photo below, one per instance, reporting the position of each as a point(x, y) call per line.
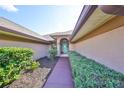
point(99, 35)
point(40, 50)
point(106, 48)
point(58, 38)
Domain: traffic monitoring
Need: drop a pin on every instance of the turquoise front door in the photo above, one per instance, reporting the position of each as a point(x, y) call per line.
point(64, 46)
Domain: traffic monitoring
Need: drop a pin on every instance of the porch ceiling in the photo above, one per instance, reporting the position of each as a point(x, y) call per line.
point(95, 20)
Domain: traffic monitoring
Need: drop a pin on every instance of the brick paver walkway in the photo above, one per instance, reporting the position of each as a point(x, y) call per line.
point(61, 75)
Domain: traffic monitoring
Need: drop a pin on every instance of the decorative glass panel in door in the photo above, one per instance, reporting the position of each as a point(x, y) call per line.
point(64, 46)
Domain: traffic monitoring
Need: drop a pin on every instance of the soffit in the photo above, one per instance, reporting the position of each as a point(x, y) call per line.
point(97, 19)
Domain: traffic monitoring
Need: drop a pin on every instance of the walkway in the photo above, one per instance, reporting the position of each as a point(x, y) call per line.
point(61, 75)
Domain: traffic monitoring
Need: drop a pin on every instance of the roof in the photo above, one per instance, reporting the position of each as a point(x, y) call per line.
point(61, 33)
point(90, 18)
point(48, 37)
point(11, 27)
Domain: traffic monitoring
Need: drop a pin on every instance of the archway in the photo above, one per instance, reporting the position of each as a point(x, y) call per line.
point(64, 46)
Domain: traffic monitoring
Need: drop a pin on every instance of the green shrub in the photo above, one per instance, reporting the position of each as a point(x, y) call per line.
point(33, 65)
point(52, 52)
point(12, 61)
point(89, 74)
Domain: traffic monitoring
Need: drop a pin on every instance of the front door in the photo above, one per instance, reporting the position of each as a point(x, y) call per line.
point(64, 46)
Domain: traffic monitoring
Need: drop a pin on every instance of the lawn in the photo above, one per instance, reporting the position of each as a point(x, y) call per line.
point(89, 74)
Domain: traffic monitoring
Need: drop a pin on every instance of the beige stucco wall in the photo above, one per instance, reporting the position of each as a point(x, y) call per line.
point(106, 48)
point(40, 50)
point(71, 47)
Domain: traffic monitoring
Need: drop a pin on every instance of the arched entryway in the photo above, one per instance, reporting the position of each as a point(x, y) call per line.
point(64, 46)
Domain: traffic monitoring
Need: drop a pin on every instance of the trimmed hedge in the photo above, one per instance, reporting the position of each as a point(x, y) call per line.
point(89, 74)
point(14, 60)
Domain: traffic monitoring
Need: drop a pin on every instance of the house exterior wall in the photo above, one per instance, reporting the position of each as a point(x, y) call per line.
point(71, 47)
point(40, 50)
point(106, 48)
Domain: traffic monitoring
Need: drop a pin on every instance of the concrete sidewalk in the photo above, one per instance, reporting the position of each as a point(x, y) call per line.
point(61, 75)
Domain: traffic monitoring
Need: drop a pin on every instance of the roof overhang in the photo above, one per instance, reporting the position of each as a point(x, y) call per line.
point(59, 35)
point(14, 29)
point(11, 32)
point(113, 9)
point(90, 18)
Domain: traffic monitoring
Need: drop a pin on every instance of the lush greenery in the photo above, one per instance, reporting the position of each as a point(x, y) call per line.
point(52, 52)
point(13, 61)
point(87, 73)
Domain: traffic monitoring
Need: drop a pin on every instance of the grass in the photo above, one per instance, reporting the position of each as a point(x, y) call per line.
point(89, 74)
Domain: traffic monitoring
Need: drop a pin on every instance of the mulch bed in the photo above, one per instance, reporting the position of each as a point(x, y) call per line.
point(47, 63)
point(36, 78)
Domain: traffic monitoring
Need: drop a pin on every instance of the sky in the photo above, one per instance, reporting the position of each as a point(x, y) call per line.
point(43, 19)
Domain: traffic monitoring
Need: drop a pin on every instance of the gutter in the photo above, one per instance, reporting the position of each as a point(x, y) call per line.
point(85, 14)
